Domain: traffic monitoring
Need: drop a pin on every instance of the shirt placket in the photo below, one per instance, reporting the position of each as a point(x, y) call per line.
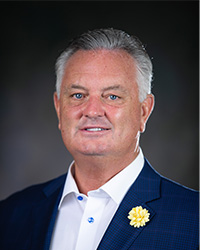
point(89, 223)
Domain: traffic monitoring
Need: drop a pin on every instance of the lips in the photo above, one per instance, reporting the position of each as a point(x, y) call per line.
point(95, 129)
point(97, 125)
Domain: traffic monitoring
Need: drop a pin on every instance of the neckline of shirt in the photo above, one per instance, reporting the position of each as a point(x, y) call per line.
point(115, 188)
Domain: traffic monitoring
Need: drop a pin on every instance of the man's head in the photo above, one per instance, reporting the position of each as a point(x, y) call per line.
point(110, 39)
point(100, 109)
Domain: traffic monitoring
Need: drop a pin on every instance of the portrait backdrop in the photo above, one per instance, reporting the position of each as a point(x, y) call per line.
point(33, 34)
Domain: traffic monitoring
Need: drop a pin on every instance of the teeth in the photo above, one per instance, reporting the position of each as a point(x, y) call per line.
point(95, 129)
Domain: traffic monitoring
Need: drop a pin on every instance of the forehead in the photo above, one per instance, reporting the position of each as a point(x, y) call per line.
point(100, 66)
point(98, 60)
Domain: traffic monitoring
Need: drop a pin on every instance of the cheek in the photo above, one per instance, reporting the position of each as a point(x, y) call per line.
point(129, 120)
point(70, 113)
point(124, 115)
point(114, 116)
point(68, 119)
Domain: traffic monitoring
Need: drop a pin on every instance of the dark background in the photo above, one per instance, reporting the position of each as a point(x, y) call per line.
point(33, 34)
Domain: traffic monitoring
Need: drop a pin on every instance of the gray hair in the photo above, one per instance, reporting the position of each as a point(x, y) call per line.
point(110, 39)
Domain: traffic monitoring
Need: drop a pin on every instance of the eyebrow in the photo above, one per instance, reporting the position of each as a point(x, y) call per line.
point(115, 87)
point(76, 86)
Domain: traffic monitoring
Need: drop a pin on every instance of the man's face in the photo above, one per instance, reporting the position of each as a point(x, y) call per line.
point(99, 110)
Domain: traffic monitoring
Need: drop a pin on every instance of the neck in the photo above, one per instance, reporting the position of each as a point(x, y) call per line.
point(91, 172)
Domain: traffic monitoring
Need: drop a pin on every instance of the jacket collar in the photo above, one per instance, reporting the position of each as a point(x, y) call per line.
point(46, 211)
point(145, 189)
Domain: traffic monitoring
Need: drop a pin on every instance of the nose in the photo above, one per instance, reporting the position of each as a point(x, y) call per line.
point(94, 108)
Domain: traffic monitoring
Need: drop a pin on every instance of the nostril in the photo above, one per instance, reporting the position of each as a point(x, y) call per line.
point(94, 109)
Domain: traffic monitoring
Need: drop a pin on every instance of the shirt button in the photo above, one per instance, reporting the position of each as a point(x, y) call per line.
point(80, 198)
point(90, 219)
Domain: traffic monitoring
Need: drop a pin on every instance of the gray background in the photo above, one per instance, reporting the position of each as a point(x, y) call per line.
point(32, 37)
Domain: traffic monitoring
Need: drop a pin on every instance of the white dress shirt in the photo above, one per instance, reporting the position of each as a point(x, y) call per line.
point(82, 220)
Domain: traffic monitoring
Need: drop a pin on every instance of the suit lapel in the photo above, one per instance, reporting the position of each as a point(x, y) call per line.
point(44, 215)
point(119, 234)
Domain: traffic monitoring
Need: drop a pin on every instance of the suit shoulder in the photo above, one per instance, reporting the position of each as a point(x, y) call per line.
point(30, 194)
point(178, 193)
point(177, 187)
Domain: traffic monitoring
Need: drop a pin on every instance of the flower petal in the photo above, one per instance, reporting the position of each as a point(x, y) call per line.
point(138, 216)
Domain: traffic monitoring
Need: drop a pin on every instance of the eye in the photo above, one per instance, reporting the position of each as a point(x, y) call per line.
point(113, 97)
point(77, 95)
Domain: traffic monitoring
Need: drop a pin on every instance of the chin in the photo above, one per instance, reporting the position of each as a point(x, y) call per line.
point(91, 150)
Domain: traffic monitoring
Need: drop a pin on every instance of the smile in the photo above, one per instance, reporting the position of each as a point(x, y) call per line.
point(95, 129)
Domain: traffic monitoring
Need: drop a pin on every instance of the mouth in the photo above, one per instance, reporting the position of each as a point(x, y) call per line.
point(95, 129)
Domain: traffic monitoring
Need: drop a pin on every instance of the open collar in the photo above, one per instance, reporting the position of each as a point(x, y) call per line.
point(115, 188)
point(119, 234)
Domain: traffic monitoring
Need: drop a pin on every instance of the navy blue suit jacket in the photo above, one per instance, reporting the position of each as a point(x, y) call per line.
point(27, 218)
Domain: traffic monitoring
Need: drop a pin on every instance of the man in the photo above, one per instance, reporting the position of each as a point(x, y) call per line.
point(111, 198)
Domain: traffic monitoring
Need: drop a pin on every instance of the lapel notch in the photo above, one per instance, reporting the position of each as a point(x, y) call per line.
point(120, 234)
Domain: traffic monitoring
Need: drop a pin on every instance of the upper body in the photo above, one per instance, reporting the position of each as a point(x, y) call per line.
point(103, 101)
point(28, 218)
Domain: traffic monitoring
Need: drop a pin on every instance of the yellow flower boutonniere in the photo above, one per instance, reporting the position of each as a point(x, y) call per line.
point(138, 216)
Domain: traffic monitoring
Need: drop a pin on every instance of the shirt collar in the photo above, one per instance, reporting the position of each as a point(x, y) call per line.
point(116, 187)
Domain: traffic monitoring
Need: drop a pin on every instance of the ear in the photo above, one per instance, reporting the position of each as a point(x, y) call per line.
point(57, 107)
point(146, 108)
